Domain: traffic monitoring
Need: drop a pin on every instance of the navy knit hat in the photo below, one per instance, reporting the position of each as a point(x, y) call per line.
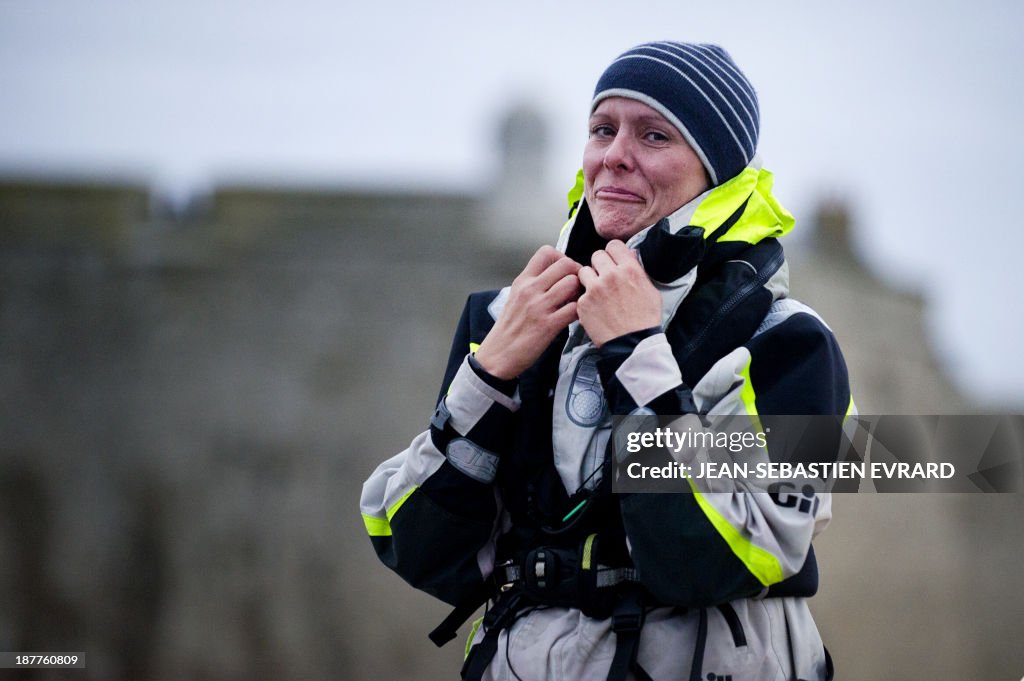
point(700, 90)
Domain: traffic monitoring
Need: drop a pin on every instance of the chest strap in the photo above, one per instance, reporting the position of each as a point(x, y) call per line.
point(574, 578)
point(555, 576)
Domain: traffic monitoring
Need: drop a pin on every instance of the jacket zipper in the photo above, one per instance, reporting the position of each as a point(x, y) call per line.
point(770, 268)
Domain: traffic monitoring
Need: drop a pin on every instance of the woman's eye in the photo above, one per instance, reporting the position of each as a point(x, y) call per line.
point(602, 131)
point(655, 136)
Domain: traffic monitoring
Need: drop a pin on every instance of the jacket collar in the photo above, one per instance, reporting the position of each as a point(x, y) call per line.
point(741, 209)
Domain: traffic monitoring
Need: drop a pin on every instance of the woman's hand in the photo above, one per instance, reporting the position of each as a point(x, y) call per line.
point(619, 297)
point(541, 303)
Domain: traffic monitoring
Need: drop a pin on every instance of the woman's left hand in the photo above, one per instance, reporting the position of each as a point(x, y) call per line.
point(619, 297)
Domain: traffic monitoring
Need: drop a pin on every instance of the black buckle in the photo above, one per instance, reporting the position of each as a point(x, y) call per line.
point(628, 615)
point(626, 622)
point(540, 569)
point(506, 574)
point(501, 615)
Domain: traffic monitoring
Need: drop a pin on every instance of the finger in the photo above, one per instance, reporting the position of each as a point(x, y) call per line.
point(565, 315)
point(620, 253)
point(587, 277)
point(567, 288)
point(541, 260)
point(601, 262)
point(556, 270)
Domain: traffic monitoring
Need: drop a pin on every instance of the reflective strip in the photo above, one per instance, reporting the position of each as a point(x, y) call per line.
point(381, 527)
point(398, 504)
point(852, 408)
point(610, 577)
point(472, 633)
point(575, 196)
point(376, 527)
point(576, 193)
point(588, 546)
point(761, 563)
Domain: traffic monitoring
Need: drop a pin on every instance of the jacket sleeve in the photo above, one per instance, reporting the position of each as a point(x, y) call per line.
point(431, 509)
point(708, 547)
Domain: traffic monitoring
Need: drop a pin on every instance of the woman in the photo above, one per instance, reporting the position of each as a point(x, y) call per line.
point(666, 294)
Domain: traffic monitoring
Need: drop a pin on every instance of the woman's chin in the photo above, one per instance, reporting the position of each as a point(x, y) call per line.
point(617, 229)
point(617, 219)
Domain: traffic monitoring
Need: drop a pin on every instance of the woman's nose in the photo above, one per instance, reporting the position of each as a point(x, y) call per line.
point(619, 154)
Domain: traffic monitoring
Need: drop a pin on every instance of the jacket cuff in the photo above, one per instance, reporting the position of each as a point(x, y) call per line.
point(470, 397)
point(471, 424)
point(642, 365)
point(506, 386)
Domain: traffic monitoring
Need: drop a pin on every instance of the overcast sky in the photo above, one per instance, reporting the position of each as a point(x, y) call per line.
point(911, 109)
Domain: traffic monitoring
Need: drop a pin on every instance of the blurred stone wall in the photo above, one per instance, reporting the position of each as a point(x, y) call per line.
point(188, 412)
point(913, 586)
point(189, 405)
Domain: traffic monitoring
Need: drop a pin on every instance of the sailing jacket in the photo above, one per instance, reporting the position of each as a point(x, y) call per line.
point(503, 465)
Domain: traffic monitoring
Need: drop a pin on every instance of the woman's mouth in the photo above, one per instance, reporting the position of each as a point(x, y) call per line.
point(618, 194)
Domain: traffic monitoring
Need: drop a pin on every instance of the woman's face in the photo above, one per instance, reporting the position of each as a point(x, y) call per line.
point(637, 168)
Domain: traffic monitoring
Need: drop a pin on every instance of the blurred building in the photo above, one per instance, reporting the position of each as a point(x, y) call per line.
point(894, 566)
point(190, 402)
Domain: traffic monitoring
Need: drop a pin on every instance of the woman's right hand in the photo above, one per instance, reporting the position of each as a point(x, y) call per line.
point(541, 303)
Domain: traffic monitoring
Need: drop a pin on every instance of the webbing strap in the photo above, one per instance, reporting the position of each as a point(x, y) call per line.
point(627, 621)
point(613, 576)
point(480, 656)
point(625, 653)
point(625, 660)
point(739, 639)
point(497, 618)
point(448, 629)
point(698, 649)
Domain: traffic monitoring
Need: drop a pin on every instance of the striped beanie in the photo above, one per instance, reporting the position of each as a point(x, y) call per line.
point(700, 90)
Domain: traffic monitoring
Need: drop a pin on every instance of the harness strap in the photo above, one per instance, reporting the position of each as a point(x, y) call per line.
point(497, 618)
point(607, 577)
point(698, 649)
point(449, 627)
point(739, 639)
point(511, 574)
point(554, 576)
point(627, 621)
